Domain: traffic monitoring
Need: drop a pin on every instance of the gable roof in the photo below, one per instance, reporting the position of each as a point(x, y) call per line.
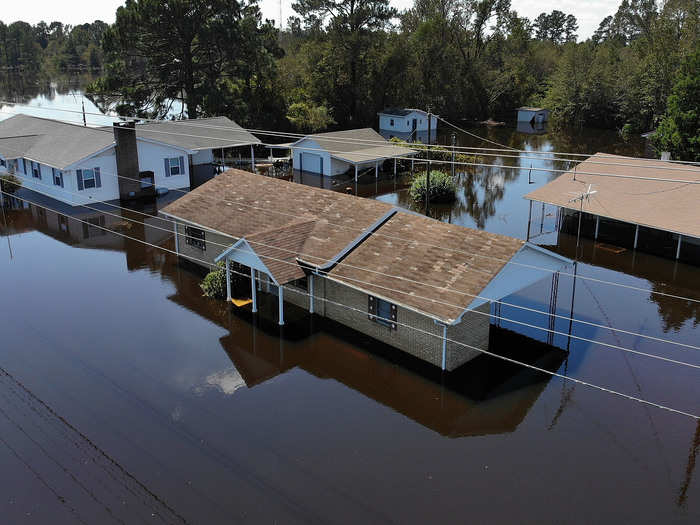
point(196, 134)
point(409, 267)
point(418, 262)
point(356, 145)
point(401, 112)
point(653, 203)
point(51, 142)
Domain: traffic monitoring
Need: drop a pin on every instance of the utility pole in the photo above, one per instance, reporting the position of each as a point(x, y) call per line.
point(427, 172)
point(454, 143)
point(84, 121)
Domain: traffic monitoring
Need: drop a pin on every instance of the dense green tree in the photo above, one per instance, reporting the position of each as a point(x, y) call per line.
point(213, 56)
point(679, 130)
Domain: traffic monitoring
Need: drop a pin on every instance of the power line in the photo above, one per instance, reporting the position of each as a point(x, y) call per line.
point(462, 308)
point(505, 261)
point(475, 135)
point(393, 276)
point(460, 343)
point(436, 147)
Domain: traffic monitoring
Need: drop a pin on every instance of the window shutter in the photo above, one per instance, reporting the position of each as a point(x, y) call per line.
point(53, 175)
point(182, 165)
point(60, 174)
point(371, 308)
point(167, 167)
point(24, 166)
point(98, 180)
point(79, 174)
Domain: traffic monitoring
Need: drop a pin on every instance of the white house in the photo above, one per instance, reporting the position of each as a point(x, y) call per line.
point(77, 164)
point(407, 124)
point(338, 152)
point(533, 115)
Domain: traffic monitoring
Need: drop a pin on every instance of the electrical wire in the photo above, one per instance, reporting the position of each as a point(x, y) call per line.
point(505, 261)
point(383, 274)
point(426, 332)
point(384, 143)
point(462, 308)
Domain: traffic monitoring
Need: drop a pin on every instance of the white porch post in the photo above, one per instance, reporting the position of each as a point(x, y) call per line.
point(355, 172)
point(444, 346)
point(376, 170)
point(636, 236)
point(177, 239)
point(597, 226)
point(678, 249)
point(394, 166)
point(228, 280)
point(280, 297)
point(252, 158)
point(311, 293)
point(253, 290)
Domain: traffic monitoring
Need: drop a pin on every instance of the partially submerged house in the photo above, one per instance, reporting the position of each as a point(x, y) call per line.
point(339, 152)
point(533, 115)
point(415, 283)
point(78, 165)
point(634, 204)
point(407, 124)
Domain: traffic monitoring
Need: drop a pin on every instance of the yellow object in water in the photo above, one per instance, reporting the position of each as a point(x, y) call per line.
point(241, 302)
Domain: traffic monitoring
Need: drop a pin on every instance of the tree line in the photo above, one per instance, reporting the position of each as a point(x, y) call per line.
point(338, 62)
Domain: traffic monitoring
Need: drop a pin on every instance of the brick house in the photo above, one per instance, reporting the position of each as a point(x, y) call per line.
point(415, 283)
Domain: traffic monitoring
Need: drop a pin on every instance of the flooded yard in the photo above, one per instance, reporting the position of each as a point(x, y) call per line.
point(126, 396)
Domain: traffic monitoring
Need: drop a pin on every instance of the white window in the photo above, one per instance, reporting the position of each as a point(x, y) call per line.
point(391, 122)
point(89, 178)
point(36, 169)
point(57, 177)
point(174, 166)
point(2, 163)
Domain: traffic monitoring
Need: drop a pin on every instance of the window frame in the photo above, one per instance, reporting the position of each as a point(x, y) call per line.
point(91, 178)
point(373, 306)
point(57, 177)
point(35, 168)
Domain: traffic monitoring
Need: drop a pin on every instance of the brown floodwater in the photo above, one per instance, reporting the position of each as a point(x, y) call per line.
point(126, 396)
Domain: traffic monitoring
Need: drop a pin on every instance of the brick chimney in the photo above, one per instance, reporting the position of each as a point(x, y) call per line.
point(127, 160)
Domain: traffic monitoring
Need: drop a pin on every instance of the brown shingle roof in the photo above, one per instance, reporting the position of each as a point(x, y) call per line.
point(405, 253)
point(654, 203)
point(285, 222)
point(239, 203)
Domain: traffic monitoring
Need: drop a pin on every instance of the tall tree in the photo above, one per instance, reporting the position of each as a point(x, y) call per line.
point(194, 51)
point(350, 30)
point(679, 130)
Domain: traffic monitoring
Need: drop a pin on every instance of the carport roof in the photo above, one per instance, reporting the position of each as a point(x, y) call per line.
point(357, 146)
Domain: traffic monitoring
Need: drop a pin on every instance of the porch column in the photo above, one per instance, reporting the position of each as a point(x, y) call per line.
point(597, 226)
point(177, 239)
point(311, 293)
point(253, 290)
point(444, 346)
point(376, 170)
point(412, 159)
point(636, 236)
point(252, 158)
point(678, 249)
point(280, 297)
point(228, 280)
point(394, 167)
point(355, 172)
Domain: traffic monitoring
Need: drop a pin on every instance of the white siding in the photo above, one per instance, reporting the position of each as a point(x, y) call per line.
point(70, 194)
point(405, 123)
point(312, 152)
point(205, 156)
point(151, 158)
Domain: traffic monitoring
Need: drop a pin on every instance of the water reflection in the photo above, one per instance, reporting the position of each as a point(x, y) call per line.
point(485, 396)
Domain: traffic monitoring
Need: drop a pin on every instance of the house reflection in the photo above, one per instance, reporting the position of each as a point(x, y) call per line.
point(486, 396)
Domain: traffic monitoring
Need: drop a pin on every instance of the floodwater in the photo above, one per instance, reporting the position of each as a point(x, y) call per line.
point(127, 397)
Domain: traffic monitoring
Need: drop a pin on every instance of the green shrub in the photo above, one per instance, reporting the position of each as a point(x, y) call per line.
point(9, 183)
point(214, 283)
point(442, 187)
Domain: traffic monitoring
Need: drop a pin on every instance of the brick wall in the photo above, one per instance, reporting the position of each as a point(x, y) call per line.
point(474, 331)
